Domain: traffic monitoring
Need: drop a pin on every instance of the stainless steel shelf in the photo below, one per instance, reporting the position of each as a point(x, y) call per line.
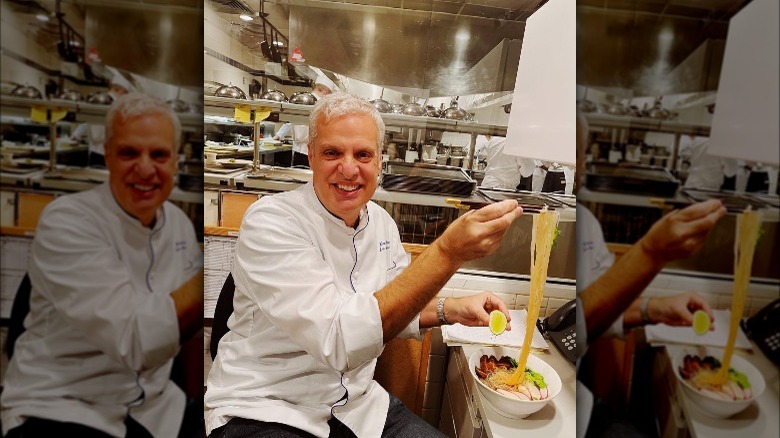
point(655, 125)
point(85, 112)
point(401, 120)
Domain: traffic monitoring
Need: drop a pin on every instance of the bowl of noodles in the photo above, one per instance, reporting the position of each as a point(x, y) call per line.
point(696, 367)
point(492, 367)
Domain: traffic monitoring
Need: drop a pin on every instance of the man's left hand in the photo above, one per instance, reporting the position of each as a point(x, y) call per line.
point(474, 310)
point(678, 310)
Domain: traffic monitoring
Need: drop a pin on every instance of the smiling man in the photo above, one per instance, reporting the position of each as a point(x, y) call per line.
point(117, 284)
point(323, 282)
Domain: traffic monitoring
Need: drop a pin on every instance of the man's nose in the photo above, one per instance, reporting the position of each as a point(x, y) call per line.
point(145, 167)
point(348, 168)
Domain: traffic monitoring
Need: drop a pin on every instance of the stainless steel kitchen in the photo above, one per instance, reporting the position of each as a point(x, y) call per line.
point(663, 88)
point(342, 202)
point(443, 78)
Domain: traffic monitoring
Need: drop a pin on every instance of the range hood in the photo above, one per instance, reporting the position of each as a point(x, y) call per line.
point(161, 42)
point(444, 54)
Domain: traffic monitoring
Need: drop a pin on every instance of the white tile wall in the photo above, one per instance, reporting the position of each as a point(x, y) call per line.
point(717, 290)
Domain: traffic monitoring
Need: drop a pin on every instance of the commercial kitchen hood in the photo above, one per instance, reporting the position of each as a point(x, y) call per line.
point(161, 42)
point(445, 53)
point(648, 48)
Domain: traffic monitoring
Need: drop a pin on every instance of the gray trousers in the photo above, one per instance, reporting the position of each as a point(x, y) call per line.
point(400, 423)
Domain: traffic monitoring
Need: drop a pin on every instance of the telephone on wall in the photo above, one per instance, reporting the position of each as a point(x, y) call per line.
point(764, 329)
point(561, 328)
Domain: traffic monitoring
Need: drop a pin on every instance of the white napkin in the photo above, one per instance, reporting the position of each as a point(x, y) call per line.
point(664, 334)
point(458, 334)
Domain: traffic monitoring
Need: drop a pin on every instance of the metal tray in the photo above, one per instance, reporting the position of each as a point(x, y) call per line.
point(734, 202)
point(641, 180)
point(530, 201)
point(427, 178)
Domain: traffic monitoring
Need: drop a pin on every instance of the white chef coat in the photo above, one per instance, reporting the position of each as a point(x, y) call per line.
point(96, 136)
point(503, 171)
point(300, 135)
point(706, 171)
point(102, 329)
point(306, 327)
point(593, 260)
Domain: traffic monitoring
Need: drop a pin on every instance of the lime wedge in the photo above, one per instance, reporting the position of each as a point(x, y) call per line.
point(701, 322)
point(498, 322)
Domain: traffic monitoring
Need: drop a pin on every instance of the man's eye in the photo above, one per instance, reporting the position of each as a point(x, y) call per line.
point(330, 153)
point(127, 153)
point(365, 156)
point(161, 155)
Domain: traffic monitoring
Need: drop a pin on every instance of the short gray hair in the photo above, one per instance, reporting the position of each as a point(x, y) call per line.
point(339, 104)
point(138, 104)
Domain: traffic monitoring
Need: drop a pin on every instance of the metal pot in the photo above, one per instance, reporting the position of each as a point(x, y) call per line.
point(210, 87)
point(586, 106)
point(303, 98)
point(398, 108)
point(230, 91)
point(179, 106)
point(431, 111)
point(27, 91)
point(382, 105)
point(274, 95)
point(616, 109)
point(455, 113)
point(100, 98)
point(7, 87)
point(658, 111)
point(73, 95)
point(413, 109)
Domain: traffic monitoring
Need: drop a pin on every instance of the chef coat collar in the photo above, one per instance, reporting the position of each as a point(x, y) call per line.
point(111, 202)
point(314, 200)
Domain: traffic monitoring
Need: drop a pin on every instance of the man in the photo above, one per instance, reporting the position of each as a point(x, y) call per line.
point(117, 285)
point(323, 282)
point(322, 87)
point(502, 171)
point(607, 291)
point(96, 133)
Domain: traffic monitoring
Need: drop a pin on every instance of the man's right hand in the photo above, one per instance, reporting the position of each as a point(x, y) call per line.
point(478, 233)
point(681, 233)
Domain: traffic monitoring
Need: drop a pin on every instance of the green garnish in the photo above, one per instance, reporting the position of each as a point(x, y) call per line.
point(739, 378)
point(555, 236)
point(514, 362)
point(535, 377)
point(760, 235)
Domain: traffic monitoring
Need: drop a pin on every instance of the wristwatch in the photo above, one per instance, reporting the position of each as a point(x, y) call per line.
point(643, 311)
point(440, 310)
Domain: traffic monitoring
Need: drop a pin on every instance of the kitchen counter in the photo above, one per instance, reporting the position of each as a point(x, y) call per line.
point(770, 214)
point(557, 418)
point(759, 420)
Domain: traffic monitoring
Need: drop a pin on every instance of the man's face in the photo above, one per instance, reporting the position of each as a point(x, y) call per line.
point(116, 91)
point(141, 161)
point(321, 91)
point(345, 162)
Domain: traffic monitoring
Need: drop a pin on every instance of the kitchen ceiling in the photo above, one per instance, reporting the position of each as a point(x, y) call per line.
point(635, 45)
point(410, 37)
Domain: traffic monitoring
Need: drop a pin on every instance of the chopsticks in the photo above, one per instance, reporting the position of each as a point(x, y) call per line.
point(669, 203)
point(474, 205)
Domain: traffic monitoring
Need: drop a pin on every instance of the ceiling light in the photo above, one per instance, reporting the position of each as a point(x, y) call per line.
point(245, 17)
point(42, 17)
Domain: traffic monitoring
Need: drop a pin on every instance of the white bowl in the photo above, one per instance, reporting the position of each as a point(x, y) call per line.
point(512, 407)
point(710, 404)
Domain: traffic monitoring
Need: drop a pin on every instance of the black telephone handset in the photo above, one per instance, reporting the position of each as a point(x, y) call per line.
point(764, 329)
point(561, 328)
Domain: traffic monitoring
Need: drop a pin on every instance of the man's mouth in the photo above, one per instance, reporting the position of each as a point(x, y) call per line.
point(143, 187)
point(348, 187)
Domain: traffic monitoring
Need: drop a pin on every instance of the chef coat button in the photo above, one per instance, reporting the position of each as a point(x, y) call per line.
point(346, 380)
